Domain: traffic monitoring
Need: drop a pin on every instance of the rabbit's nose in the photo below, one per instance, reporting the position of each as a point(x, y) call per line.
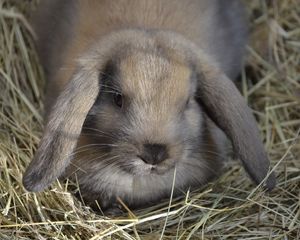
point(154, 153)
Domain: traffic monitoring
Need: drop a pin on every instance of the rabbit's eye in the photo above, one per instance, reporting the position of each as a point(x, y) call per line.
point(118, 99)
point(187, 102)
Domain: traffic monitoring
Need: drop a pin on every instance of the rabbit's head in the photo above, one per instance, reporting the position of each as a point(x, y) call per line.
point(143, 103)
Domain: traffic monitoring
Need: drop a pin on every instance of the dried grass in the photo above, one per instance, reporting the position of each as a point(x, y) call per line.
point(230, 208)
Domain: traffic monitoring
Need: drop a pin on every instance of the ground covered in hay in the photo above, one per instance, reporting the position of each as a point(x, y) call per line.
point(230, 208)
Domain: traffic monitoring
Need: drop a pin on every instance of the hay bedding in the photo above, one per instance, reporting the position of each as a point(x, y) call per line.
point(230, 208)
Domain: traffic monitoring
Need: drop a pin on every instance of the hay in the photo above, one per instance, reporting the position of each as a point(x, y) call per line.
point(230, 208)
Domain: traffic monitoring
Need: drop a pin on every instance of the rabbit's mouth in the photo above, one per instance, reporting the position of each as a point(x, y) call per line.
point(138, 167)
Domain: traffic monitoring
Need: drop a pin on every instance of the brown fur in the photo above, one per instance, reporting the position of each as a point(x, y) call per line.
point(166, 58)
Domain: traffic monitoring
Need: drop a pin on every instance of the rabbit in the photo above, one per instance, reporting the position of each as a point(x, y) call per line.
point(140, 98)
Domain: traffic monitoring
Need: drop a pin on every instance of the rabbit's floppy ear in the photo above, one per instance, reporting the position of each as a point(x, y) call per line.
point(69, 113)
point(62, 130)
point(225, 106)
point(228, 109)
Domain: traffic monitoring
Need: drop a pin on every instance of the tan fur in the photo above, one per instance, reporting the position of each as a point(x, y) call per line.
point(98, 18)
point(171, 61)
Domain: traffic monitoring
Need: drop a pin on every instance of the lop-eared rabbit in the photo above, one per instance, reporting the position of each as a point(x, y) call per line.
point(140, 93)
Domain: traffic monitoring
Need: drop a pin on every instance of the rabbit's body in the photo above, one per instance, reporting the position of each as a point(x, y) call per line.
point(153, 114)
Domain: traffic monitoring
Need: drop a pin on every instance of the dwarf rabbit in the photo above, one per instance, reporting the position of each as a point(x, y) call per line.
point(137, 89)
